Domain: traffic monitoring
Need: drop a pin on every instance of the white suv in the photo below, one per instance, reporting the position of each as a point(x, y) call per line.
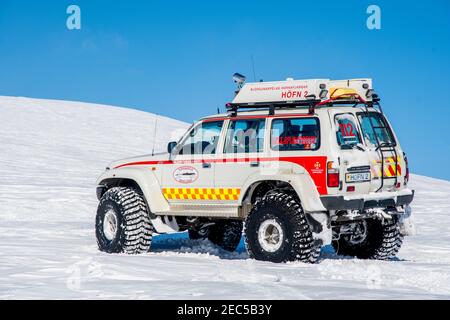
point(297, 164)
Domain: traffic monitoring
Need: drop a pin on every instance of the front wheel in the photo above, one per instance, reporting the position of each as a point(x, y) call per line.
point(370, 239)
point(276, 230)
point(123, 223)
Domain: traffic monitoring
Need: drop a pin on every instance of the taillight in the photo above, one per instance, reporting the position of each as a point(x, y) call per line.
point(332, 176)
point(407, 169)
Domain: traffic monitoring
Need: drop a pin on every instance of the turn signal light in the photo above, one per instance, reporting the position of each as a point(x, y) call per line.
point(332, 176)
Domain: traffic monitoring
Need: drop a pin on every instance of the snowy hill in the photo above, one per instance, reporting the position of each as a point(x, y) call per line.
point(51, 153)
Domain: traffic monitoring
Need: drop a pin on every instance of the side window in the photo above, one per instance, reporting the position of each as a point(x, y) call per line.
point(245, 136)
point(202, 139)
point(346, 130)
point(295, 134)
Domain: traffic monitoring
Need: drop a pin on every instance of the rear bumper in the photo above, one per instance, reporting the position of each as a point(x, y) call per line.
point(347, 203)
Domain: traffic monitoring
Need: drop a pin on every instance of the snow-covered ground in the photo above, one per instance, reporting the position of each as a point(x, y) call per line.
point(50, 155)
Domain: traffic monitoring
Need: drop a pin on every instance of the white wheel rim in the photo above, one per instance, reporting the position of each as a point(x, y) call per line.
point(110, 225)
point(270, 235)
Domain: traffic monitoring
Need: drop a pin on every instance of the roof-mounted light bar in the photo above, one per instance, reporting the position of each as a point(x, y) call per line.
point(299, 93)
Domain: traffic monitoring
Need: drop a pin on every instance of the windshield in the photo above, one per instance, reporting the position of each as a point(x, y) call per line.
point(375, 130)
point(347, 133)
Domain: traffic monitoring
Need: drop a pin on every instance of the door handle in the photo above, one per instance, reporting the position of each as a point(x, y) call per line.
point(206, 165)
point(254, 164)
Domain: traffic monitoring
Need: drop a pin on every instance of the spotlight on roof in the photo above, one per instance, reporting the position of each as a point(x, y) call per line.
point(323, 94)
point(239, 78)
point(370, 93)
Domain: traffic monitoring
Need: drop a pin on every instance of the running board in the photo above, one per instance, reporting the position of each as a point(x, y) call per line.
point(202, 210)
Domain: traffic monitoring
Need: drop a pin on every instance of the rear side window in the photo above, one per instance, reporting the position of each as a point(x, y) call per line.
point(245, 136)
point(347, 133)
point(295, 134)
point(375, 130)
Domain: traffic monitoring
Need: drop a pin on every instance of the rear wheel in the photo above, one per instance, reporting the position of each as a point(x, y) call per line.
point(123, 222)
point(371, 239)
point(277, 230)
point(226, 234)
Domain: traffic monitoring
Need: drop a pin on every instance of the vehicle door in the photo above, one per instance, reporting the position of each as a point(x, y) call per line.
point(355, 164)
point(189, 176)
point(243, 148)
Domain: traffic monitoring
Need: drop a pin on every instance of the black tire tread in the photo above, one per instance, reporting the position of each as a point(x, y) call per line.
point(136, 227)
point(383, 243)
point(302, 247)
point(226, 234)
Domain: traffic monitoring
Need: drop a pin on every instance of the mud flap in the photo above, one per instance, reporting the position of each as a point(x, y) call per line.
point(165, 224)
point(320, 224)
point(407, 226)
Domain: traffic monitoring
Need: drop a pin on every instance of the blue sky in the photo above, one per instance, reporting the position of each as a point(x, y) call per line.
point(176, 58)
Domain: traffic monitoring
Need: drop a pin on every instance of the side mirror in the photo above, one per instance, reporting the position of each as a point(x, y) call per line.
point(170, 146)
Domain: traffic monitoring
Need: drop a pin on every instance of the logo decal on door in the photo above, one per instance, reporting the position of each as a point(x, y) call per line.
point(185, 174)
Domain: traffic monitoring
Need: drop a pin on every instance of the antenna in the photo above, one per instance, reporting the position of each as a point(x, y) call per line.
point(154, 134)
point(253, 67)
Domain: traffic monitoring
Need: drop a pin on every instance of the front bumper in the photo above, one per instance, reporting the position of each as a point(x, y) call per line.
point(382, 200)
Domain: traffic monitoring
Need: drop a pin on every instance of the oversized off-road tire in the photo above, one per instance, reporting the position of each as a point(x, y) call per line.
point(276, 230)
point(381, 241)
point(226, 234)
point(123, 223)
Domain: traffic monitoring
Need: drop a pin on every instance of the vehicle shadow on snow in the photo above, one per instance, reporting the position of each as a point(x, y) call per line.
point(328, 253)
point(180, 243)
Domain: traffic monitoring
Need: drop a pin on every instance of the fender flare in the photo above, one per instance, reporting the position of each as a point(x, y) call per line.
point(301, 182)
point(144, 179)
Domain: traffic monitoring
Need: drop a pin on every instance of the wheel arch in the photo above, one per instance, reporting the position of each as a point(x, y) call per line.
point(301, 185)
point(260, 188)
point(109, 183)
point(144, 181)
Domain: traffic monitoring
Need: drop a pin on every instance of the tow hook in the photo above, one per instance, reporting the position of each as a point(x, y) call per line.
point(385, 215)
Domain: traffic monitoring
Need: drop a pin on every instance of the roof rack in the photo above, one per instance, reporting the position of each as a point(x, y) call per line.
point(302, 93)
point(233, 108)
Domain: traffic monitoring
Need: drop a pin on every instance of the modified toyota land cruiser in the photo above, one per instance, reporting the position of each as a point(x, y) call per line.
point(295, 164)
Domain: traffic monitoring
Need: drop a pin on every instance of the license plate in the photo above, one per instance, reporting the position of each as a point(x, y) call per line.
point(357, 177)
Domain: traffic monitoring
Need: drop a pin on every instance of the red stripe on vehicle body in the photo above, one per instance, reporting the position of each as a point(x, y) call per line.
point(391, 170)
point(315, 165)
point(144, 163)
